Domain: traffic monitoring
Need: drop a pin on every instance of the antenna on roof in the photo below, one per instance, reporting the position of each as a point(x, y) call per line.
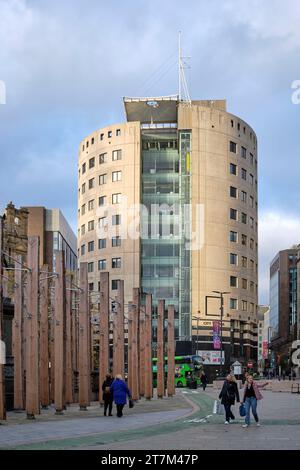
point(183, 91)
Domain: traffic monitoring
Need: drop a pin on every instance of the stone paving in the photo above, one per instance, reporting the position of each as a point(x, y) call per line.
point(182, 422)
point(280, 429)
point(48, 428)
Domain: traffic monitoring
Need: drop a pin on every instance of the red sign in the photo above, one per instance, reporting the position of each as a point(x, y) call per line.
point(265, 349)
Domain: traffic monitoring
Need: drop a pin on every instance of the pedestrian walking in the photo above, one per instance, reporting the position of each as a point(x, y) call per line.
point(246, 375)
point(107, 394)
point(120, 392)
point(203, 380)
point(228, 395)
point(251, 395)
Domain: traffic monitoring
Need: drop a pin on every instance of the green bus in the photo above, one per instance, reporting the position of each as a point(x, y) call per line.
point(185, 367)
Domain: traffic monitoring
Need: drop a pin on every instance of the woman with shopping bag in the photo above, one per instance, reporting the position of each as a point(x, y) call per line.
point(228, 395)
point(251, 395)
point(120, 391)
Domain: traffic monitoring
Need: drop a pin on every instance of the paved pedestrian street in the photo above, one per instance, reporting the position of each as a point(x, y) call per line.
point(182, 422)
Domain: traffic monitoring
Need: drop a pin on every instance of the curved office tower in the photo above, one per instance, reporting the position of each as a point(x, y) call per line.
point(167, 201)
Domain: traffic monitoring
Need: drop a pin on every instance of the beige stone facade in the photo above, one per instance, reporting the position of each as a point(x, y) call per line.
point(223, 180)
point(125, 170)
point(213, 130)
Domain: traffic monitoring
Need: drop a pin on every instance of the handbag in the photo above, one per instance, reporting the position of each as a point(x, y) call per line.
point(131, 404)
point(218, 408)
point(242, 410)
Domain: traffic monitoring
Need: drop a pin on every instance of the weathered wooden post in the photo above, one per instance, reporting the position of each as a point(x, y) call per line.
point(90, 348)
point(148, 349)
point(104, 330)
point(17, 337)
point(129, 349)
point(135, 343)
point(160, 349)
point(2, 345)
point(59, 330)
point(118, 347)
point(84, 350)
point(68, 342)
point(171, 352)
point(44, 337)
point(75, 331)
point(142, 351)
point(51, 349)
point(32, 330)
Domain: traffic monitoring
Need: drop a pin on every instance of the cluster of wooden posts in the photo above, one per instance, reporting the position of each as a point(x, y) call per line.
point(52, 337)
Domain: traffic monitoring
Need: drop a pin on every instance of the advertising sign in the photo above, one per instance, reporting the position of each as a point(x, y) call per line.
point(216, 334)
point(237, 370)
point(211, 357)
point(265, 349)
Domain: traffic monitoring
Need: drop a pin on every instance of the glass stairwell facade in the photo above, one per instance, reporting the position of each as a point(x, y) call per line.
point(164, 260)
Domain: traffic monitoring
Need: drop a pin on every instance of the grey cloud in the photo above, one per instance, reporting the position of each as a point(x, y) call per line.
point(67, 65)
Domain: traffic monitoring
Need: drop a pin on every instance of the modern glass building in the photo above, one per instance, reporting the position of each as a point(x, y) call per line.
point(283, 305)
point(167, 201)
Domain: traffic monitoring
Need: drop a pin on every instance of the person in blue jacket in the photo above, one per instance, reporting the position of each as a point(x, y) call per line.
point(120, 391)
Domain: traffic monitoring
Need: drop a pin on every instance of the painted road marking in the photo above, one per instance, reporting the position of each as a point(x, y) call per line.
point(197, 420)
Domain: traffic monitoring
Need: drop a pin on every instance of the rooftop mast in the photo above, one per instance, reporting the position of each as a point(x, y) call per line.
point(182, 83)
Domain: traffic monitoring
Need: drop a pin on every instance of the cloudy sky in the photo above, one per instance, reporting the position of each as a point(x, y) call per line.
point(67, 64)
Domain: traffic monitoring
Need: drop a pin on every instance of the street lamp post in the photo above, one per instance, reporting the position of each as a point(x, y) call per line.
point(221, 296)
point(197, 336)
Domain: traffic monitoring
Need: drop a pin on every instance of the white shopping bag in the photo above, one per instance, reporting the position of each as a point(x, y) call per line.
point(218, 408)
point(215, 407)
point(221, 409)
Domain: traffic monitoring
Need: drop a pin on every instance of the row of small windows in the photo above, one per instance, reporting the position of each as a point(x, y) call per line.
point(115, 241)
point(244, 305)
point(233, 192)
point(233, 149)
point(234, 215)
point(233, 171)
point(102, 201)
point(244, 283)
point(244, 129)
point(102, 264)
point(233, 237)
point(234, 260)
point(102, 222)
point(115, 176)
point(114, 285)
point(101, 137)
point(116, 155)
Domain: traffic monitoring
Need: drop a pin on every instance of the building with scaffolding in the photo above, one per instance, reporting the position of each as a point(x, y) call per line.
point(167, 201)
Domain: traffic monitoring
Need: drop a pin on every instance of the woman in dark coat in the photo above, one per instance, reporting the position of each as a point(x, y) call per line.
point(228, 395)
point(203, 380)
point(107, 395)
point(120, 392)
